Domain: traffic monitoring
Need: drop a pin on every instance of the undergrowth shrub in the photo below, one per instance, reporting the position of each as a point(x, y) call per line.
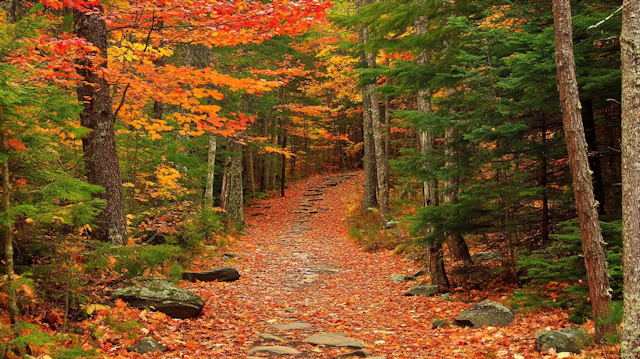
point(28, 337)
point(556, 275)
point(134, 261)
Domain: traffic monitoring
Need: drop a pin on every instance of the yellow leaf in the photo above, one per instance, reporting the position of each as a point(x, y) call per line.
point(56, 218)
point(29, 220)
point(131, 216)
point(92, 308)
point(112, 260)
point(128, 184)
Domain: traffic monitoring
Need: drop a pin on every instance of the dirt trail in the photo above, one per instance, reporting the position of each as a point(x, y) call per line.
point(298, 266)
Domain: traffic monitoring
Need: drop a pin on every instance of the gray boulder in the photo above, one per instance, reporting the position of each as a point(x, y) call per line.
point(224, 274)
point(340, 340)
point(163, 296)
point(147, 345)
point(397, 278)
point(273, 350)
point(565, 340)
point(428, 290)
point(487, 313)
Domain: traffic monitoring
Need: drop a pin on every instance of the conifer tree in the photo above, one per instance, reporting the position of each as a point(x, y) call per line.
point(592, 242)
point(630, 41)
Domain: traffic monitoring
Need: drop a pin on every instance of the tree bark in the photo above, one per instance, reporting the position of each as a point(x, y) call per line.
point(8, 233)
point(99, 145)
point(592, 242)
point(378, 144)
point(224, 195)
point(369, 197)
point(630, 50)
point(248, 165)
point(235, 208)
point(455, 242)
point(284, 164)
point(211, 162)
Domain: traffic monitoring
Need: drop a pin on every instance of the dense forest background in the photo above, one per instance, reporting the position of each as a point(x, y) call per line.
point(134, 133)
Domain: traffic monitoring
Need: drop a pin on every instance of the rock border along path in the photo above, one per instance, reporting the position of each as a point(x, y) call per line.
point(299, 266)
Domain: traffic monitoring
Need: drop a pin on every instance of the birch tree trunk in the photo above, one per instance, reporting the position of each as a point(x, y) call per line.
point(630, 43)
point(369, 198)
point(99, 144)
point(378, 144)
point(211, 162)
point(235, 208)
point(592, 243)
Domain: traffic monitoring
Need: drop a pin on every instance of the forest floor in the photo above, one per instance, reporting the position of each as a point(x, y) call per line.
point(298, 265)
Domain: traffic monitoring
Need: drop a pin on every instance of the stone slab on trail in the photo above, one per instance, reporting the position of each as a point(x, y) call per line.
point(224, 274)
point(273, 350)
point(338, 339)
point(488, 312)
point(291, 326)
point(428, 290)
point(163, 296)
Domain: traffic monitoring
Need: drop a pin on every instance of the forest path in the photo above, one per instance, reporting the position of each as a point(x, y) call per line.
point(298, 266)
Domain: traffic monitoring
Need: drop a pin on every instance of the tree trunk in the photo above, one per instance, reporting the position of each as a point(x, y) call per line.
point(369, 198)
point(264, 177)
point(235, 209)
point(592, 243)
point(630, 42)
point(248, 165)
point(455, 242)
point(224, 195)
point(589, 123)
point(378, 144)
point(284, 164)
point(8, 233)
point(99, 145)
point(208, 194)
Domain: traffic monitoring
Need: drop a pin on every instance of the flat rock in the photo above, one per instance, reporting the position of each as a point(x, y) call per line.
point(361, 353)
point(147, 345)
point(564, 340)
point(487, 313)
point(397, 278)
point(291, 326)
point(163, 296)
point(428, 290)
point(269, 337)
point(273, 350)
point(339, 340)
point(224, 274)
